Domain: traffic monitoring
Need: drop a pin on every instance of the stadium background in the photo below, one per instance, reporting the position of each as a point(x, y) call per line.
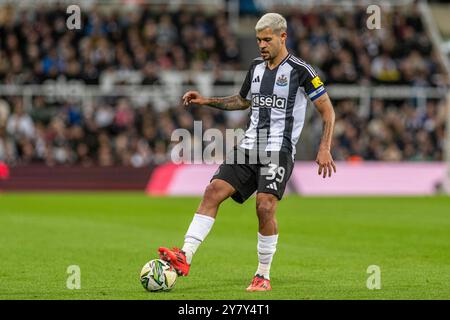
point(94, 109)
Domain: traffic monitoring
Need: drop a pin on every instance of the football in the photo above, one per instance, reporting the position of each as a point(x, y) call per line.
point(158, 275)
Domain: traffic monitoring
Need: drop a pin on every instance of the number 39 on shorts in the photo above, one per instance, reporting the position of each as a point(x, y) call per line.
point(275, 172)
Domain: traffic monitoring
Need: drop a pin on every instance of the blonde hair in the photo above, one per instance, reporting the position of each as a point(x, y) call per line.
point(274, 21)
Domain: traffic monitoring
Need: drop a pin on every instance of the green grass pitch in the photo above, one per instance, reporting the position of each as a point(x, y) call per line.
point(325, 247)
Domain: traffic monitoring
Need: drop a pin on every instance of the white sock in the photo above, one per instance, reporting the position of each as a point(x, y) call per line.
point(267, 245)
point(197, 232)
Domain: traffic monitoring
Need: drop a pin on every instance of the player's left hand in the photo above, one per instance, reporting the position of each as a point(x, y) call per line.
point(325, 162)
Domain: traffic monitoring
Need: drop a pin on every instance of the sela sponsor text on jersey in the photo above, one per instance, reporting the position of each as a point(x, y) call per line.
point(268, 101)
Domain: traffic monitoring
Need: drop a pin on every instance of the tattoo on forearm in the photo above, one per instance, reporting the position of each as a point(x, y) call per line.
point(229, 103)
point(327, 133)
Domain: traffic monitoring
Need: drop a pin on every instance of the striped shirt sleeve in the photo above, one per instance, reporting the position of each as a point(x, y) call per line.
point(245, 89)
point(312, 83)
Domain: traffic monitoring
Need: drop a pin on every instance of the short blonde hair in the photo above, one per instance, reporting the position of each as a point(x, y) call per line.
point(274, 21)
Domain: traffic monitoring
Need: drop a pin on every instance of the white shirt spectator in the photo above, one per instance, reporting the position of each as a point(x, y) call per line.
point(20, 125)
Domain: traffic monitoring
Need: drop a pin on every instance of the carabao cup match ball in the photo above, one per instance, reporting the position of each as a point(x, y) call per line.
point(158, 275)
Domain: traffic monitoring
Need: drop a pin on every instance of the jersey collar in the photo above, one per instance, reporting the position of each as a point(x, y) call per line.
point(281, 63)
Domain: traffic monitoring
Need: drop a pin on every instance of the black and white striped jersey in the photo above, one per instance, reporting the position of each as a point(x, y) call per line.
point(278, 103)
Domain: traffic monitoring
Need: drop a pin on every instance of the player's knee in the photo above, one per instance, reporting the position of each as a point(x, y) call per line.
point(214, 192)
point(265, 206)
point(264, 210)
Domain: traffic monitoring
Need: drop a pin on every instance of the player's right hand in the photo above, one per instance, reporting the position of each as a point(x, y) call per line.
point(326, 163)
point(193, 97)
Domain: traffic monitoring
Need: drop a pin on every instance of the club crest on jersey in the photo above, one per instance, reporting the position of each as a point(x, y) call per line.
point(282, 81)
point(272, 101)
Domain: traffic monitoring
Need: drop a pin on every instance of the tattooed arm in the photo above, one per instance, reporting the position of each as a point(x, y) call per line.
point(235, 102)
point(324, 158)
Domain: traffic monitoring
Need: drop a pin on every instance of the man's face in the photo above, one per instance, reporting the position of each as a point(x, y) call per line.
point(270, 43)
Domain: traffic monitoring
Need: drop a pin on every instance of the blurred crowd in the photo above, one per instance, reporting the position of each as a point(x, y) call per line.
point(392, 131)
point(347, 51)
point(36, 46)
point(109, 132)
point(115, 133)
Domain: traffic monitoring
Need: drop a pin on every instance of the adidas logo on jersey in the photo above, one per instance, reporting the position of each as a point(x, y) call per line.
point(256, 80)
point(272, 186)
point(272, 101)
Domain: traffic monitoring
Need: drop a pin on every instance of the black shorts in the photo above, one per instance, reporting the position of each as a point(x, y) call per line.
point(268, 176)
